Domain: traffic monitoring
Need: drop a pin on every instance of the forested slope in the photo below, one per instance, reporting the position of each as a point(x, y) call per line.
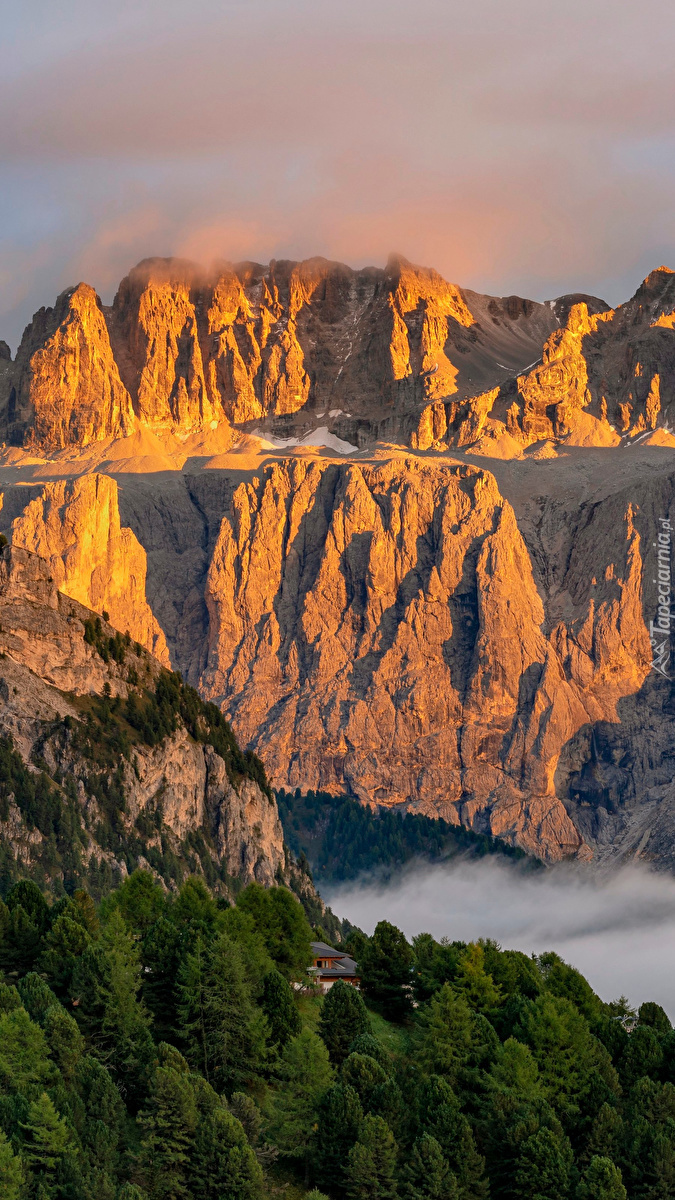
point(152, 1047)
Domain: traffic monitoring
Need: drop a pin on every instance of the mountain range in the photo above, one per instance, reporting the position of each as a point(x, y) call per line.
point(412, 541)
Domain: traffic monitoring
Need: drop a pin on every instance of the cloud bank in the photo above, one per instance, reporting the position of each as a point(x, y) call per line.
point(511, 146)
point(618, 929)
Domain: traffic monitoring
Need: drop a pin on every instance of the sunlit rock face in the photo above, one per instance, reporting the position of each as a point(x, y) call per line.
point(181, 351)
point(395, 621)
point(46, 665)
point(65, 387)
point(74, 525)
point(379, 628)
point(601, 375)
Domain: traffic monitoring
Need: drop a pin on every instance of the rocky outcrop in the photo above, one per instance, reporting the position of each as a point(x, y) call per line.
point(74, 525)
point(393, 630)
point(601, 375)
point(181, 351)
point(157, 797)
point(379, 629)
point(64, 388)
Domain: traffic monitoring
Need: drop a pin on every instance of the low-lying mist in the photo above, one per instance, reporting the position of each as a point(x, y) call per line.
point(617, 929)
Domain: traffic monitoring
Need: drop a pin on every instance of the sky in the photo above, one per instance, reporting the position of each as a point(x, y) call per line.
point(526, 147)
point(618, 929)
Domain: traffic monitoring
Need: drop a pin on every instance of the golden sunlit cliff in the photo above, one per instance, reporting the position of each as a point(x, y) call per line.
point(404, 535)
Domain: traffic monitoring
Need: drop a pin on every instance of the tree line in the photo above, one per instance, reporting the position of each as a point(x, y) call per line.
point(342, 838)
point(153, 1047)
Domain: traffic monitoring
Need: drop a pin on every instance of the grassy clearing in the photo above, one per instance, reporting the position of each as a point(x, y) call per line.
point(394, 1038)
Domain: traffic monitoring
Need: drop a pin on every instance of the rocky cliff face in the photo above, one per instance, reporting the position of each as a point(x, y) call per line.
point(65, 388)
point(601, 375)
point(74, 525)
point(109, 804)
point(385, 628)
point(180, 352)
point(402, 623)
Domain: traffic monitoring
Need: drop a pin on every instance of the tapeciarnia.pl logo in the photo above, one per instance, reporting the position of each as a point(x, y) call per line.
point(659, 629)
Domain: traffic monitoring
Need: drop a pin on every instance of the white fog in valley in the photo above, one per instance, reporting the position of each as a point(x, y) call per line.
point(618, 929)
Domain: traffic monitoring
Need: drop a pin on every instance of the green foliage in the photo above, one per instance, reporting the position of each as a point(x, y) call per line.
point(343, 1018)
point(152, 1046)
point(11, 1171)
point(225, 1166)
point(426, 1175)
point(601, 1181)
point(284, 928)
point(386, 971)
point(307, 1074)
point(340, 1120)
point(223, 1032)
point(371, 1166)
point(278, 1005)
point(342, 838)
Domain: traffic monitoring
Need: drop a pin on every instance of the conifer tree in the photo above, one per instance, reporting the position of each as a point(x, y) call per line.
point(66, 1044)
point(473, 982)
point(224, 1167)
point(168, 1127)
point(104, 1115)
point(11, 1171)
point(278, 1005)
point(367, 1043)
point(343, 1018)
point(106, 983)
point(36, 996)
point(386, 971)
point(445, 1034)
point(441, 1117)
point(544, 1167)
point(161, 956)
point(64, 944)
point(601, 1181)
point(426, 1174)
point(224, 1032)
point(338, 1127)
point(307, 1074)
point(46, 1139)
point(371, 1166)
point(281, 920)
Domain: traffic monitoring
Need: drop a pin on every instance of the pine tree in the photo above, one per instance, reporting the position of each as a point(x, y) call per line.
point(24, 1061)
point(366, 1076)
point(281, 920)
point(338, 1127)
point(36, 996)
point(367, 1043)
point(371, 1166)
point(473, 982)
point(106, 984)
point(104, 1115)
point(224, 1167)
point(66, 1044)
point(224, 1032)
point(64, 944)
point(544, 1167)
point(278, 1005)
point(601, 1181)
point(445, 1034)
point(441, 1117)
point(386, 971)
point(161, 955)
point(11, 1171)
point(46, 1139)
point(343, 1018)
point(307, 1074)
point(168, 1127)
point(426, 1174)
